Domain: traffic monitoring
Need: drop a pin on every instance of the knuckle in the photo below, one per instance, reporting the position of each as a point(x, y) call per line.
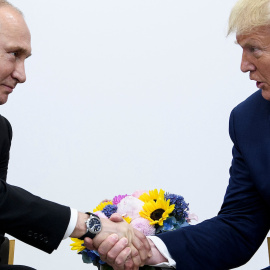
point(118, 262)
point(143, 256)
point(110, 256)
point(134, 252)
point(140, 245)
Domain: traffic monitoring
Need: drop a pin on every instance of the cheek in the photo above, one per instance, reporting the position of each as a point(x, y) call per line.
point(6, 70)
point(265, 72)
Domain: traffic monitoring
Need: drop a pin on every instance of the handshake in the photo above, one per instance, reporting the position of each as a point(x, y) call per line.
point(119, 227)
point(119, 244)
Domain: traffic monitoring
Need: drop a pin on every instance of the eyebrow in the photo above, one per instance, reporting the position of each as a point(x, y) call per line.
point(24, 51)
point(21, 50)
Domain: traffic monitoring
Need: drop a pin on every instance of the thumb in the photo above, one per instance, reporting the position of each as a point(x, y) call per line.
point(116, 217)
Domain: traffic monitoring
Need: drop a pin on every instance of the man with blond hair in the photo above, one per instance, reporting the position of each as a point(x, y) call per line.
point(232, 237)
point(35, 221)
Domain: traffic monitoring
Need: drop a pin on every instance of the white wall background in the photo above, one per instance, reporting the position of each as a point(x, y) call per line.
point(125, 95)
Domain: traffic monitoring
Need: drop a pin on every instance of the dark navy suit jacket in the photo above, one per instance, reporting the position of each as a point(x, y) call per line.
point(231, 238)
point(35, 221)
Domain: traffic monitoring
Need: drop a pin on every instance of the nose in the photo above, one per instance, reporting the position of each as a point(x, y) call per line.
point(19, 72)
point(246, 64)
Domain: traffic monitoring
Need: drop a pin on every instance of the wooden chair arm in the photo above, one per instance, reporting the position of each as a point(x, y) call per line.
point(11, 251)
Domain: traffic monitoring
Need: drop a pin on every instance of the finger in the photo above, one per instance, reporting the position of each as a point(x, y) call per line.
point(135, 256)
point(107, 245)
point(140, 242)
point(140, 251)
point(129, 264)
point(116, 217)
point(88, 242)
point(115, 251)
point(144, 241)
point(121, 259)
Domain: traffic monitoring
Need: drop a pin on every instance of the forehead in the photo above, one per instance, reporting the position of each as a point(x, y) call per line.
point(260, 35)
point(13, 30)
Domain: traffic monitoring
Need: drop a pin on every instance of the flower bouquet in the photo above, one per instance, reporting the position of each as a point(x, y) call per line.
point(151, 212)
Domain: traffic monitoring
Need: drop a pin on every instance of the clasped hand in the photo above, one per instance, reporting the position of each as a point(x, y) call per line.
point(120, 245)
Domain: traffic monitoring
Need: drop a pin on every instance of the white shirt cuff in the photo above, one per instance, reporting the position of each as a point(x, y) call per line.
point(72, 223)
point(164, 251)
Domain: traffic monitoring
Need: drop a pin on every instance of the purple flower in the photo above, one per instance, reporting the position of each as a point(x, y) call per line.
point(117, 199)
point(181, 207)
point(109, 209)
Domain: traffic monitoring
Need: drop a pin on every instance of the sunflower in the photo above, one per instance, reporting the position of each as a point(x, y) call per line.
point(153, 195)
point(77, 245)
point(157, 211)
point(101, 206)
point(127, 219)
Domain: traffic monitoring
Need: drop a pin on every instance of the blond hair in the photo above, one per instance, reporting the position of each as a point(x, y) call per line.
point(249, 14)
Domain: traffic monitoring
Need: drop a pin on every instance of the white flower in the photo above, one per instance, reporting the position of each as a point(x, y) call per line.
point(130, 207)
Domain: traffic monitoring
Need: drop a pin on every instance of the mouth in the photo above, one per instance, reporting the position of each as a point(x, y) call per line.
point(9, 88)
point(259, 84)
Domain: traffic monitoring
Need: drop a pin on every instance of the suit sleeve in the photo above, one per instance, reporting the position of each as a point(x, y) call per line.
point(231, 238)
point(31, 219)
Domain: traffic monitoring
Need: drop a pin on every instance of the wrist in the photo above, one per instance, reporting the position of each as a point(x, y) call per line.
point(157, 257)
point(80, 228)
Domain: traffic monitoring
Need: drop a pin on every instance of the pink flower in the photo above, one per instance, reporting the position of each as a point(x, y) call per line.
point(192, 217)
point(142, 225)
point(117, 199)
point(130, 206)
point(138, 193)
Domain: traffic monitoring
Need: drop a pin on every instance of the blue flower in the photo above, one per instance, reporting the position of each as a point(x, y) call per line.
point(91, 256)
point(88, 256)
point(109, 209)
point(181, 207)
point(169, 224)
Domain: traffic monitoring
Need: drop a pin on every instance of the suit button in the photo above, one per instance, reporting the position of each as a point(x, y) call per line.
point(30, 233)
point(46, 240)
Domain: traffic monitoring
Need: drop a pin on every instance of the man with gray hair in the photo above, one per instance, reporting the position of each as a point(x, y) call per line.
point(232, 237)
point(35, 221)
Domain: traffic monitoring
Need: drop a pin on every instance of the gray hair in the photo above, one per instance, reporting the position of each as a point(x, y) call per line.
point(6, 3)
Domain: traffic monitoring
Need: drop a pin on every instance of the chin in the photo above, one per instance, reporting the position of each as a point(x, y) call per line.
point(3, 100)
point(266, 93)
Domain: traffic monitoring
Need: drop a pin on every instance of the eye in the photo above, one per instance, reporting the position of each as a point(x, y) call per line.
point(15, 54)
point(253, 49)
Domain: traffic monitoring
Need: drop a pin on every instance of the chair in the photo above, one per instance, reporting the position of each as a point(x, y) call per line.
point(11, 251)
point(7, 252)
point(268, 244)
